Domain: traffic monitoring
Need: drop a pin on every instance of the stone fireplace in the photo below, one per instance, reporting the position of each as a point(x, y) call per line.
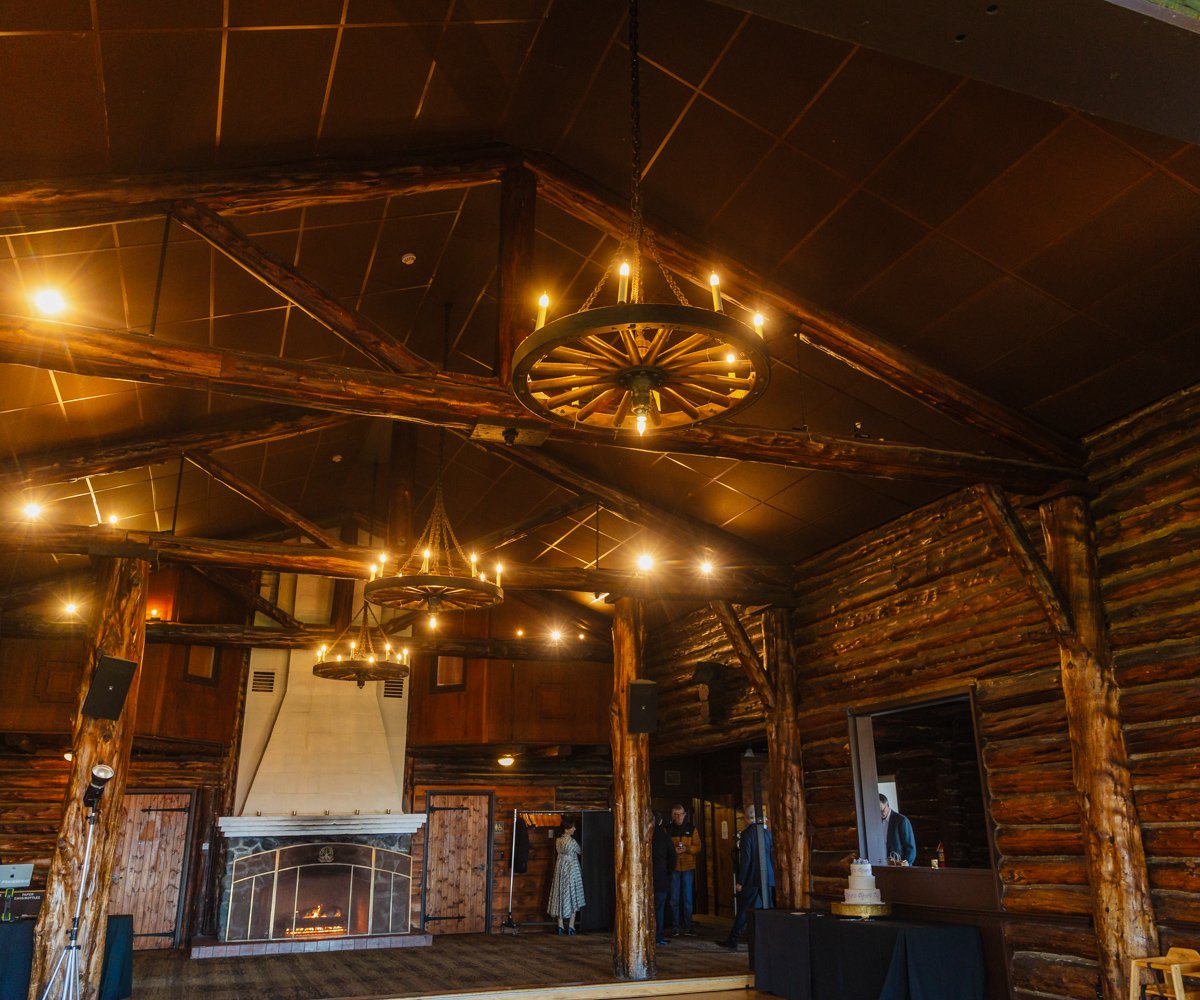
point(320, 855)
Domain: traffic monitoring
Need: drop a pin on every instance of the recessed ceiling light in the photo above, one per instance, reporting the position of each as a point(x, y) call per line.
point(335, 458)
point(32, 511)
point(520, 633)
point(645, 562)
point(555, 635)
point(49, 301)
point(70, 607)
point(112, 518)
point(408, 259)
point(706, 568)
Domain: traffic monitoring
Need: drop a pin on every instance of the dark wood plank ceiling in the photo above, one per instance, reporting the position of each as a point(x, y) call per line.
point(1039, 254)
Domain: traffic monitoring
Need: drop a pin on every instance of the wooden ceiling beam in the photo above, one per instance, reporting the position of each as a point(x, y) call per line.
point(351, 562)
point(348, 324)
point(443, 399)
point(587, 201)
point(66, 203)
point(752, 663)
point(518, 201)
point(235, 586)
point(588, 650)
point(205, 434)
point(261, 498)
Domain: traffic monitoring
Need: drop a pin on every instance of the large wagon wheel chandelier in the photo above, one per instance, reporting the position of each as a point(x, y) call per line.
point(362, 652)
point(640, 364)
point(437, 576)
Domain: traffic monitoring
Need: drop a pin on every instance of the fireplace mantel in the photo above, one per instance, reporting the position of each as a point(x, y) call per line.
point(319, 826)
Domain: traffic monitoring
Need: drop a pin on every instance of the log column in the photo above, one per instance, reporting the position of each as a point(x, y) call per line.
point(786, 791)
point(633, 821)
point(1112, 838)
point(118, 629)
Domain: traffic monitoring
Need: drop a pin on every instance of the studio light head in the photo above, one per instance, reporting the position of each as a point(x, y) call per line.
point(101, 776)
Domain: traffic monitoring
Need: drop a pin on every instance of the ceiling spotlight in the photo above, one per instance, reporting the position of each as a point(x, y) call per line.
point(70, 607)
point(32, 511)
point(555, 635)
point(645, 562)
point(49, 301)
point(581, 635)
point(520, 633)
point(112, 519)
point(706, 568)
point(506, 760)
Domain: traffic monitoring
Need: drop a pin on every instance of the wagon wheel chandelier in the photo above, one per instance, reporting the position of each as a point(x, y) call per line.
point(361, 653)
point(437, 576)
point(640, 364)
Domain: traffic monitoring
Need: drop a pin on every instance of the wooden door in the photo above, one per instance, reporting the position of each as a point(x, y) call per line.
point(458, 870)
point(148, 873)
point(724, 855)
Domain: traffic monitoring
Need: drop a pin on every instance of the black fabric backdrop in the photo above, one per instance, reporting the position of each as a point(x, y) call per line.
point(16, 960)
point(599, 880)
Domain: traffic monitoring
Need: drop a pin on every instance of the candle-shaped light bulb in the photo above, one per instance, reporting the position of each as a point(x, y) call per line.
point(387, 648)
point(623, 282)
point(474, 560)
point(433, 621)
point(640, 420)
point(499, 570)
point(715, 283)
point(543, 305)
point(370, 659)
point(353, 646)
point(373, 569)
point(758, 324)
point(339, 657)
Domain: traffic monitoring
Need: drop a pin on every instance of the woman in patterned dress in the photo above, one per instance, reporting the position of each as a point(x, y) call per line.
point(566, 888)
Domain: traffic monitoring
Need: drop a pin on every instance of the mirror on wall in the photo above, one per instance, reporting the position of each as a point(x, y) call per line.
point(919, 792)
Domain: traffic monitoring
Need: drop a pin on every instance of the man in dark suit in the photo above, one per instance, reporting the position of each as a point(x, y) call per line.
point(898, 833)
point(753, 861)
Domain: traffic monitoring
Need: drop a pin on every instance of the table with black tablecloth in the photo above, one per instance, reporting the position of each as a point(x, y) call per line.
point(16, 959)
point(819, 957)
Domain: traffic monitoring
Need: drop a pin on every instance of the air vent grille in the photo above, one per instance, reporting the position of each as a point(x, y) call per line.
point(263, 680)
point(394, 688)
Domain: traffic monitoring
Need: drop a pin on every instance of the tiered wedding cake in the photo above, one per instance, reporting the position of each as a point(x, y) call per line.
point(862, 898)
point(862, 884)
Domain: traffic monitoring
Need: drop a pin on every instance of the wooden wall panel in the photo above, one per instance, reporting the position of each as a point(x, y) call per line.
point(568, 785)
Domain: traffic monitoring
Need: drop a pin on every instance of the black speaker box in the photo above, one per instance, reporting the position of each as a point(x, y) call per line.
point(643, 706)
point(110, 685)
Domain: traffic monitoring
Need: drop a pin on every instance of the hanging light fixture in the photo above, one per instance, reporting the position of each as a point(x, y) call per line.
point(437, 576)
point(362, 652)
point(640, 364)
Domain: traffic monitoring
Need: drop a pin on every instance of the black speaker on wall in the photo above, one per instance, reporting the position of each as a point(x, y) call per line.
point(110, 685)
point(643, 706)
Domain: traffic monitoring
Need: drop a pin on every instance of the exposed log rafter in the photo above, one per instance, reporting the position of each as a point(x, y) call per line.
point(261, 499)
point(747, 655)
point(518, 201)
point(348, 324)
point(1029, 563)
point(235, 586)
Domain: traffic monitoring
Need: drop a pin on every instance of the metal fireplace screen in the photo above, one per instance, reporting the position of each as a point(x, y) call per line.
point(312, 891)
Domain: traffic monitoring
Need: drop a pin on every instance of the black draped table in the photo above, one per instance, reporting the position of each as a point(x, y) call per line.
point(819, 957)
point(16, 960)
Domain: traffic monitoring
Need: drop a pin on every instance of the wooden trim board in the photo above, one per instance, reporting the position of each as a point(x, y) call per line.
point(592, 991)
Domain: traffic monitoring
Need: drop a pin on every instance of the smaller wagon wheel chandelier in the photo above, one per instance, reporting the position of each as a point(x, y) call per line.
point(362, 652)
point(436, 576)
point(638, 364)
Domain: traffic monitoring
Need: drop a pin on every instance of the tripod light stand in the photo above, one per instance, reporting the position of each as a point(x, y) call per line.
point(68, 961)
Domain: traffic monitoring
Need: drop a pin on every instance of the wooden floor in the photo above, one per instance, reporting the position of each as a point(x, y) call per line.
point(467, 963)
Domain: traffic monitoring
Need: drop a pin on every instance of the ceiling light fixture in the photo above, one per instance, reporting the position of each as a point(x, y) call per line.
point(555, 635)
point(706, 568)
point(640, 364)
point(49, 301)
point(506, 760)
point(32, 511)
point(645, 562)
point(437, 576)
point(361, 653)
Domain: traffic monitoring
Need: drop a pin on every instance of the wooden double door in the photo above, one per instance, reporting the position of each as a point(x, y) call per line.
point(149, 872)
point(458, 862)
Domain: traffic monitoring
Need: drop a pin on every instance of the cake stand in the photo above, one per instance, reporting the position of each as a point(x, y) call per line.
point(863, 911)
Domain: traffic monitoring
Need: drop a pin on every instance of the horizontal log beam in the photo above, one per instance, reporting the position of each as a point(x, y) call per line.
point(346, 323)
point(588, 650)
point(261, 499)
point(452, 401)
point(34, 206)
point(350, 562)
point(205, 434)
point(587, 201)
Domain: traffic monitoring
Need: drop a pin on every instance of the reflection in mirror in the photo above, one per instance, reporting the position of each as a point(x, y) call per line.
point(924, 759)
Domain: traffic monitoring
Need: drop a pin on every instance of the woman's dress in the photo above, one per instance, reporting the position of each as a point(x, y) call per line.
point(566, 888)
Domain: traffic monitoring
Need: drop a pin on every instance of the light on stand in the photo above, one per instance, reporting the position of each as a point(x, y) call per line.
point(101, 776)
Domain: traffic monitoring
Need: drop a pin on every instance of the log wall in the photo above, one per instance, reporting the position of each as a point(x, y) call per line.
point(931, 605)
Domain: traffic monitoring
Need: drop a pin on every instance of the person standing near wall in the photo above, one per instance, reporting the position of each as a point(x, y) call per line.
point(566, 889)
point(683, 880)
point(755, 848)
point(662, 856)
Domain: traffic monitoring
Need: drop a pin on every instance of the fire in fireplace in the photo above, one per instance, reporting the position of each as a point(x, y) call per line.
point(318, 890)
